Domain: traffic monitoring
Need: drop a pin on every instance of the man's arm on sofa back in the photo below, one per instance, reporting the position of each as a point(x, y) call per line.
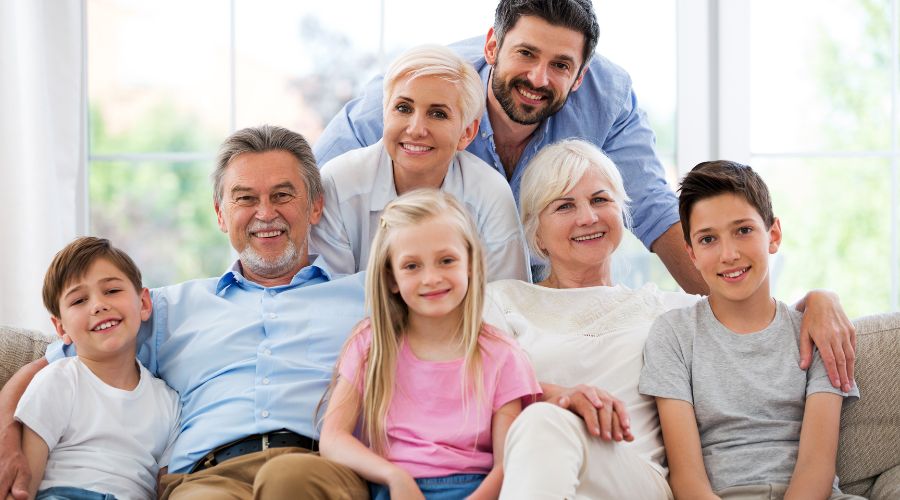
point(14, 472)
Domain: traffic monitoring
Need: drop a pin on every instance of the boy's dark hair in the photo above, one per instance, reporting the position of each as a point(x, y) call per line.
point(73, 262)
point(577, 15)
point(712, 178)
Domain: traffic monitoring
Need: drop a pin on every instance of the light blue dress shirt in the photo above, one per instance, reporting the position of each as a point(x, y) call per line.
point(602, 111)
point(360, 183)
point(246, 359)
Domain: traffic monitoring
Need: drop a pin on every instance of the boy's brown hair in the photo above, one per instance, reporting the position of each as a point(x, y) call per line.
point(73, 262)
point(712, 178)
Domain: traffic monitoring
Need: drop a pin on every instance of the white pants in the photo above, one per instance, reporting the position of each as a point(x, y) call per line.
point(550, 455)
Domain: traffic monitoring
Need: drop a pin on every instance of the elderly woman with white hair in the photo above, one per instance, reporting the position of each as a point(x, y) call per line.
point(433, 101)
point(583, 333)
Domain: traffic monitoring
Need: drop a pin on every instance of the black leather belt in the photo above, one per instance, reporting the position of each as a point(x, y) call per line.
point(251, 444)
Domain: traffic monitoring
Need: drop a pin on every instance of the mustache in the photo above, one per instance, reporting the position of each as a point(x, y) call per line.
point(257, 226)
point(545, 91)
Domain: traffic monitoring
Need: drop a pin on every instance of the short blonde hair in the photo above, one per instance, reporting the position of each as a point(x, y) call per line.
point(390, 314)
point(435, 60)
point(555, 171)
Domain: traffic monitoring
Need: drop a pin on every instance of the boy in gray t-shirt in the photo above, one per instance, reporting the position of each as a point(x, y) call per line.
point(740, 418)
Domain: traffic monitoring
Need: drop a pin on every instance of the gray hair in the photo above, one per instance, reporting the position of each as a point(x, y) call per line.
point(268, 138)
point(555, 171)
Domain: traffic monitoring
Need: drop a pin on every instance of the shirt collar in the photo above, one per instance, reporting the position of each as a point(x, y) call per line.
point(318, 270)
point(384, 190)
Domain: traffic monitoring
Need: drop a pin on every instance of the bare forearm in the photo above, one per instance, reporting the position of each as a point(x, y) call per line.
point(670, 248)
point(15, 476)
point(489, 489)
point(345, 449)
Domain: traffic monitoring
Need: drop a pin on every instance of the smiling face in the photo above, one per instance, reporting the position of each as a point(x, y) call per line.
point(266, 212)
point(423, 129)
point(101, 313)
point(730, 246)
point(580, 230)
point(430, 268)
point(535, 69)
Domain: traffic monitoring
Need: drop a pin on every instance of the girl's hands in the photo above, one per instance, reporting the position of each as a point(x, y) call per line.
point(604, 415)
point(403, 487)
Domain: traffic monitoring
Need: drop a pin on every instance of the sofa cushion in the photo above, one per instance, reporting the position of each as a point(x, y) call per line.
point(870, 428)
point(19, 347)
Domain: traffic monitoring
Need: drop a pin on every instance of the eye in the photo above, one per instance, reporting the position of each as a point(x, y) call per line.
point(597, 200)
point(706, 240)
point(113, 291)
point(565, 206)
point(561, 66)
point(524, 52)
point(77, 300)
point(409, 266)
point(439, 114)
point(403, 108)
point(448, 260)
point(745, 230)
point(245, 200)
point(282, 197)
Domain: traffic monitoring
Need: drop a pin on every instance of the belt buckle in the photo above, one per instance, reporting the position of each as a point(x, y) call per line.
point(265, 442)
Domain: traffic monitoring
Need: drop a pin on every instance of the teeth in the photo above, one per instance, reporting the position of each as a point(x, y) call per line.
point(589, 237)
point(735, 274)
point(415, 148)
point(105, 325)
point(530, 95)
point(267, 234)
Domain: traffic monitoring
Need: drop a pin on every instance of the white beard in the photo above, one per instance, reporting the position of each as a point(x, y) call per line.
point(278, 266)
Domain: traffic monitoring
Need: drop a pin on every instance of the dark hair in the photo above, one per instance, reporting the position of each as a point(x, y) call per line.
point(712, 178)
point(73, 262)
point(577, 15)
point(268, 138)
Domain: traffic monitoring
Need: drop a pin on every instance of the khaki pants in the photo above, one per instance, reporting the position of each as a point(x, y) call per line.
point(276, 473)
point(549, 455)
point(768, 492)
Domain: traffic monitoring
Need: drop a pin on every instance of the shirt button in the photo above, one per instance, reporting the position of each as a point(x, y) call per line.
point(265, 414)
point(484, 134)
point(272, 315)
point(272, 292)
point(265, 381)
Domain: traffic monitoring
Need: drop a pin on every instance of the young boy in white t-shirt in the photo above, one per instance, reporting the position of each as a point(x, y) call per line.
point(99, 425)
point(740, 419)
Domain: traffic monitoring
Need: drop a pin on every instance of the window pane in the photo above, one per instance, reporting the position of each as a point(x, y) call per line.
point(297, 63)
point(836, 229)
point(154, 62)
point(408, 23)
point(162, 215)
point(820, 75)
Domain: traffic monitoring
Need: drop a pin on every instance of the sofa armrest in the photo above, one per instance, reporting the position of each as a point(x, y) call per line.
point(19, 347)
point(870, 428)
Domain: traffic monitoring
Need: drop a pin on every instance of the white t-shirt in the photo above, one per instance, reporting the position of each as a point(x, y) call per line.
point(593, 336)
point(101, 438)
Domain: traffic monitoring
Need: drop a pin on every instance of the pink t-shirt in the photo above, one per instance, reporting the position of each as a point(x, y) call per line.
point(429, 433)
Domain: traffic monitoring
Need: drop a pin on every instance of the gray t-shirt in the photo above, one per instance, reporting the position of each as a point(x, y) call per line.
point(748, 390)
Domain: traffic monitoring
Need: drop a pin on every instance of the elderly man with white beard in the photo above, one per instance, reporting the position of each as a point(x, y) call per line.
point(250, 352)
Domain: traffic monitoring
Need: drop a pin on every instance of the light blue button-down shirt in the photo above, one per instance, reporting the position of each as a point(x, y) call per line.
point(246, 359)
point(603, 111)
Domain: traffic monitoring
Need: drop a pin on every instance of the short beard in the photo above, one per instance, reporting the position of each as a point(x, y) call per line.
point(279, 266)
point(528, 115)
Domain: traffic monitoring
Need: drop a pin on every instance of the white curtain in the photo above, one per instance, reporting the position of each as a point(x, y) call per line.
point(42, 147)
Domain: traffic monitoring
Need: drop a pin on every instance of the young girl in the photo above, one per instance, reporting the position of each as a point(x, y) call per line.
point(431, 388)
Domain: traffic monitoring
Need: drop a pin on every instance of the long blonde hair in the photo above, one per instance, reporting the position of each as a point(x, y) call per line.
point(389, 314)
